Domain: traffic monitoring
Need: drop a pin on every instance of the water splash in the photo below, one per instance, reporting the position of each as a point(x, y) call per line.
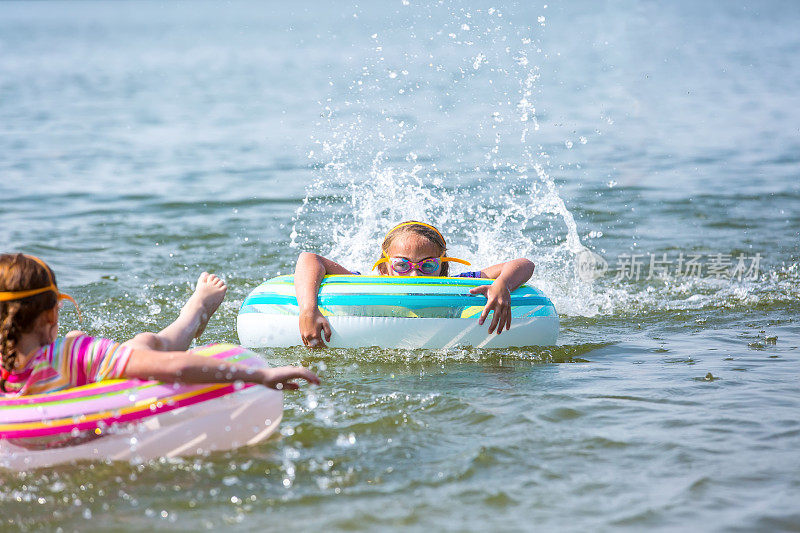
point(444, 130)
point(443, 127)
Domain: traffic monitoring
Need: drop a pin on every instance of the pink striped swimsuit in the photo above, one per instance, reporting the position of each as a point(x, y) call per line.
point(70, 363)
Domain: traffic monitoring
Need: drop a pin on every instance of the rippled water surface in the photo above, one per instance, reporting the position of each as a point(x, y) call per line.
point(144, 142)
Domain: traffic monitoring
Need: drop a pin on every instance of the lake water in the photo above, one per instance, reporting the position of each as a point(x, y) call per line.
point(655, 146)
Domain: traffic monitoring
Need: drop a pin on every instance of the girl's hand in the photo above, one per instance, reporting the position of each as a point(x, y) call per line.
point(279, 378)
point(498, 299)
point(312, 324)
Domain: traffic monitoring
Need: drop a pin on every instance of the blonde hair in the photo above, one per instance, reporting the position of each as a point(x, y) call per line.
point(19, 272)
point(417, 228)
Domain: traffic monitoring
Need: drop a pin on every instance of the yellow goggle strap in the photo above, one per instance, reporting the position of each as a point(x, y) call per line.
point(62, 296)
point(417, 224)
point(385, 259)
point(378, 262)
point(455, 260)
point(10, 296)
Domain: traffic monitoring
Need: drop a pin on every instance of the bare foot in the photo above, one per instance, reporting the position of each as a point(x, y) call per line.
point(207, 297)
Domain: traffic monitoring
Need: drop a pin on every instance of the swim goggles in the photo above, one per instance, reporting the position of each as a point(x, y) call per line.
point(10, 296)
point(426, 266)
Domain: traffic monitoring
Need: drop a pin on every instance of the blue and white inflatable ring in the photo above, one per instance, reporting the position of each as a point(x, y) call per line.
point(395, 312)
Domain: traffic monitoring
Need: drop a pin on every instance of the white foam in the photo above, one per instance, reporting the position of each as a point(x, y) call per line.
point(475, 170)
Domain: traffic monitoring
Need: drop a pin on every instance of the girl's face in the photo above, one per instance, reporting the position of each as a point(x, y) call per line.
point(415, 248)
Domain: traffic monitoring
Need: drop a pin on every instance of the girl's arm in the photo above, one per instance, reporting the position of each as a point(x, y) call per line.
point(183, 367)
point(513, 273)
point(507, 277)
point(308, 276)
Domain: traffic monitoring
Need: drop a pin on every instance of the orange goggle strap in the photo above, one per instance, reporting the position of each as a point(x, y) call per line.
point(386, 259)
point(10, 296)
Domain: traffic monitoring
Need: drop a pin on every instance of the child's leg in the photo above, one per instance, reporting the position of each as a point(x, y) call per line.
point(192, 320)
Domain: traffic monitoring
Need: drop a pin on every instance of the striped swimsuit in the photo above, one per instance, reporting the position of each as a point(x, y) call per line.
point(70, 363)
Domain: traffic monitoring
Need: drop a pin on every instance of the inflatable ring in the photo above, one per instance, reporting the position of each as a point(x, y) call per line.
point(138, 420)
point(395, 312)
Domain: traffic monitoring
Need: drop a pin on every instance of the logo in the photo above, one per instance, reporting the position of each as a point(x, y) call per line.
point(589, 266)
